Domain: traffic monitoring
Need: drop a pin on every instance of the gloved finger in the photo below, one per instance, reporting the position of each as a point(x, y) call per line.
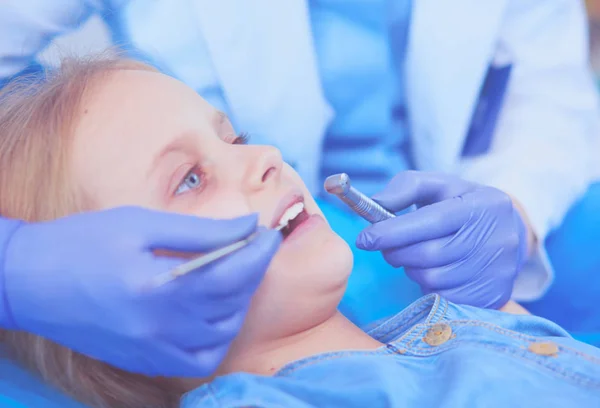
point(427, 223)
point(437, 278)
point(426, 254)
point(420, 188)
point(210, 357)
point(170, 361)
point(240, 272)
point(208, 307)
point(186, 233)
point(237, 273)
point(187, 332)
point(154, 359)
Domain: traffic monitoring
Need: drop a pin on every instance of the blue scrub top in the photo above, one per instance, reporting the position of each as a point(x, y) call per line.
point(360, 55)
point(361, 73)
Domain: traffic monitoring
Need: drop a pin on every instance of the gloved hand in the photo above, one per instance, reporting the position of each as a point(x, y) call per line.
point(465, 241)
point(82, 281)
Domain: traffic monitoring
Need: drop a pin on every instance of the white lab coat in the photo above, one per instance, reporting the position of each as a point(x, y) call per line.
point(541, 148)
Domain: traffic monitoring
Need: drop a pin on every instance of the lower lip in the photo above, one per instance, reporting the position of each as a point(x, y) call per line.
point(309, 224)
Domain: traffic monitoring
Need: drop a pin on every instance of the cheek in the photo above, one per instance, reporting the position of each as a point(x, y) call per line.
point(102, 193)
point(103, 187)
point(225, 209)
point(221, 205)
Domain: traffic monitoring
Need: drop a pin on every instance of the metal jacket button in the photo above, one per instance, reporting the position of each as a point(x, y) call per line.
point(438, 334)
point(544, 348)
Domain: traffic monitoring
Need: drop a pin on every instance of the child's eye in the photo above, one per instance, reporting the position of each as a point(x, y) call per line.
point(191, 181)
point(194, 178)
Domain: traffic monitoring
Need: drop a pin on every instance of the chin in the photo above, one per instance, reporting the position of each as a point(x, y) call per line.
point(332, 261)
point(302, 288)
point(323, 256)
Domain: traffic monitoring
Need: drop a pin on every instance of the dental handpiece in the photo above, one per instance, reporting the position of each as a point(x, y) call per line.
point(340, 186)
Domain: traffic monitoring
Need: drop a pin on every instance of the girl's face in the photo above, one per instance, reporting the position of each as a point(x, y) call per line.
point(146, 139)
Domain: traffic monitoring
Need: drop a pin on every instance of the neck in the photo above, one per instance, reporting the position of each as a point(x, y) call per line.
point(335, 334)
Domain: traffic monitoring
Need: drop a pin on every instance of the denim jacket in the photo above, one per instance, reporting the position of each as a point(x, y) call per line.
point(435, 354)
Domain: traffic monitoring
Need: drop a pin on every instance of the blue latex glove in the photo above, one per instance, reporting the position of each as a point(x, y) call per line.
point(465, 241)
point(82, 281)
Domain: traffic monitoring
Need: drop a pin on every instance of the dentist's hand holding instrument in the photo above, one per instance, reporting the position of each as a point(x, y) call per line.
point(465, 241)
point(81, 282)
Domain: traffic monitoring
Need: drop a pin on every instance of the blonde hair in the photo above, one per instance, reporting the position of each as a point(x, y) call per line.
point(38, 115)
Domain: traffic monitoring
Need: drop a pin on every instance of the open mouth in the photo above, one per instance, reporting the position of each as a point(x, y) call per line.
point(292, 218)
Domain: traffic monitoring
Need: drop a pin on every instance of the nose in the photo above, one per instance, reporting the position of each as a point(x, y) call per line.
point(264, 168)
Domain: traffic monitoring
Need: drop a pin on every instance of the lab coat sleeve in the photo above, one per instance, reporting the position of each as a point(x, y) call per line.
point(28, 26)
point(541, 153)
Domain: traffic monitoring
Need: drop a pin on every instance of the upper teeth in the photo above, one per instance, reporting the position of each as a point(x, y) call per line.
point(291, 213)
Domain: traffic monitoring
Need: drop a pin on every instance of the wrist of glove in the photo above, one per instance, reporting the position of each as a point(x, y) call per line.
point(531, 239)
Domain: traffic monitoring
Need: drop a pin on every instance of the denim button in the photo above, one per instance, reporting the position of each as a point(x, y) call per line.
point(438, 334)
point(544, 348)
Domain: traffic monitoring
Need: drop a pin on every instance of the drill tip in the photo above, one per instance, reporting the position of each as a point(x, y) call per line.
point(337, 184)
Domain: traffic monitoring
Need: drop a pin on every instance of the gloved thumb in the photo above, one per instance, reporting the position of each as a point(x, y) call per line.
point(400, 193)
point(420, 188)
point(186, 233)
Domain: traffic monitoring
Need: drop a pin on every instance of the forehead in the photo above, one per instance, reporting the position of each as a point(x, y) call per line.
point(129, 118)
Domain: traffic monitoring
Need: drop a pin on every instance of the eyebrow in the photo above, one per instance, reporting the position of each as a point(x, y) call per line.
point(183, 140)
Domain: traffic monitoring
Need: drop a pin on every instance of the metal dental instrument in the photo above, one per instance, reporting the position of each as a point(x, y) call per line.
point(204, 260)
point(340, 186)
